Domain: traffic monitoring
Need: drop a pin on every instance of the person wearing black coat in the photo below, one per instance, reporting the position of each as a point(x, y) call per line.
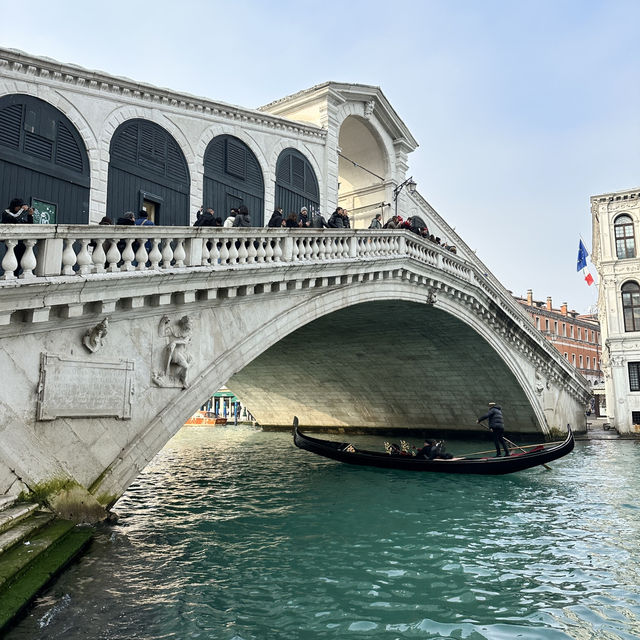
point(496, 424)
point(276, 219)
point(206, 219)
point(336, 221)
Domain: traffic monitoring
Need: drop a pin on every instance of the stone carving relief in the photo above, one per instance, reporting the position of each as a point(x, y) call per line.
point(541, 383)
point(93, 339)
point(431, 296)
point(368, 108)
point(176, 358)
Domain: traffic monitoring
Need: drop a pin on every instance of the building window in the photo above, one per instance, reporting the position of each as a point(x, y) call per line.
point(635, 417)
point(631, 306)
point(588, 362)
point(564, 329)
point(537, 323)
point(573, 359)
point(555, 327)
point(571, 329)
point(634, 376)
point(566, 355)
point(546, 324)
point(581, 361)
point(625, 242)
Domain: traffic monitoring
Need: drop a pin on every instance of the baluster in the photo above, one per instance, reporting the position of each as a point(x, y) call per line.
point(268, 250)
point(252, 252)
point(308, 249)
point(205, 253)
point(233, 253)
point(224, 253)
point(321, 248)
point(295, 253)
point(83, 258)
point(214, 255)
point(155, 256)
point(142, 256)
point(28, 262)
point(128, 256)
point(113, 255)
point(9, 262)
point(314, 248)
point(262, 249)
point(167, 253)
point(277, 249)
point(344, 245)
point(98, 257)
point(179, 253)
point(68, 258)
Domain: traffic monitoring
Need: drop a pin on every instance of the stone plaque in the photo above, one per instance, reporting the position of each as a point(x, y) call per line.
point(83, 389)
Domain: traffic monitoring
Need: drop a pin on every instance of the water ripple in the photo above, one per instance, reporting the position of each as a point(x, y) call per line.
point(234, 534)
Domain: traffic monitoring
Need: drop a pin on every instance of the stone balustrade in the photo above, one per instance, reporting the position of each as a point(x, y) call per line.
point(32, 252)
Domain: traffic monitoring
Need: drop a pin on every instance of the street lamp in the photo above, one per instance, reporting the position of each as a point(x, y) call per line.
point(410, 184)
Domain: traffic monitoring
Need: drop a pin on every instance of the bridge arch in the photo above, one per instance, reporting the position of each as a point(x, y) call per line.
point(364, 167)
point(41, 150)
point(431, 353)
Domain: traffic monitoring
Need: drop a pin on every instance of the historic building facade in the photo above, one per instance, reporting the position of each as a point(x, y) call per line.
point(575, 336)
point(80, 144)
point(616, 229)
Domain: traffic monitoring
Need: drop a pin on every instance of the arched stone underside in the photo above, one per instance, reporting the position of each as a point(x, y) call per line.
point(383, 364)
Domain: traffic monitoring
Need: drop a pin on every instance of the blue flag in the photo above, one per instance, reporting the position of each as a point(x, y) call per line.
point(582, 256)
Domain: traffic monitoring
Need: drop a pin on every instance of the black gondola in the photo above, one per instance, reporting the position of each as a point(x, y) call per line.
point(517, 461)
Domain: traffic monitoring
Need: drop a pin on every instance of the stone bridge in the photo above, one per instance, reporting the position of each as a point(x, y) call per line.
point(110, 339)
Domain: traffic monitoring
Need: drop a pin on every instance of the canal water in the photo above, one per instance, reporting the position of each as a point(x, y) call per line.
point(234, 534)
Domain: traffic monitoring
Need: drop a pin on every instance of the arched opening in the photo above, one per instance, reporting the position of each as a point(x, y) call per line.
point(232, 177)
point(625, 238)
point(43, 160)
point(631, 306)
point(147, 170)
point(362, 171)
point(296, 183)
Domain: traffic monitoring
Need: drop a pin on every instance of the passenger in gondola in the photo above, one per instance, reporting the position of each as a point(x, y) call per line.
point(430, 450)
point(496, 424)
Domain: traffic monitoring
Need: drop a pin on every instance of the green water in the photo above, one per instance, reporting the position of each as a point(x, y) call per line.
point(234, 534)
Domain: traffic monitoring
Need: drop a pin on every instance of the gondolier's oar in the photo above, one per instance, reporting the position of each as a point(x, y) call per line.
point(515, 446)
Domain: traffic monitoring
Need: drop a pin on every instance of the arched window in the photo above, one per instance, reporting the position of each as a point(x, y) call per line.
point(147, 169)
point(631, 306)
point(625, 241)
point(296, 183)
point(233, 177)
point(43, 160)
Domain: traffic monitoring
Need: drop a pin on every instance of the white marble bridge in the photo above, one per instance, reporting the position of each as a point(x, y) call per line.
point(111, 337)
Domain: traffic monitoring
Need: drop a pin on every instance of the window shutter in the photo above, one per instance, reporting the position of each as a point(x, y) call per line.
point(38, 147)
point(67, 152)
point(10, 119)
point(236, 160)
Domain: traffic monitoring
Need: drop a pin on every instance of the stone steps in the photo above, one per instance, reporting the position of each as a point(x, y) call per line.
point(34, 547)
point(12, 515)
point(23, 529)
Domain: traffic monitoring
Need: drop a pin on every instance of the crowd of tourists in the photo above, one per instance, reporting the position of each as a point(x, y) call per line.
point(19, 212)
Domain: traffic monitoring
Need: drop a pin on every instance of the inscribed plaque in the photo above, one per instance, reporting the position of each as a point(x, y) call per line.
point(82, 389)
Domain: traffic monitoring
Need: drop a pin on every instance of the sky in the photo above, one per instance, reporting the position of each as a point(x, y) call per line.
point(523, 109)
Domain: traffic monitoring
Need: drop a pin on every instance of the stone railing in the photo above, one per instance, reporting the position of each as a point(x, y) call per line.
point(32, 252)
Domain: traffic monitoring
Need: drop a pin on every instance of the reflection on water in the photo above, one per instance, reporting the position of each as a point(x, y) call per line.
point(235, 534)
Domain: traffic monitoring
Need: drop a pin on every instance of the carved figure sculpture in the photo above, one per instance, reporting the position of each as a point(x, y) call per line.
point(93, 339)
point(177, 356)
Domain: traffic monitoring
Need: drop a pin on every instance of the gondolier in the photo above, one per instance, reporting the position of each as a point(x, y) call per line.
point(496, 424)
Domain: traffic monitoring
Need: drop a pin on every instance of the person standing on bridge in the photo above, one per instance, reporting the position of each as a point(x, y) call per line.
point(496, 424)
